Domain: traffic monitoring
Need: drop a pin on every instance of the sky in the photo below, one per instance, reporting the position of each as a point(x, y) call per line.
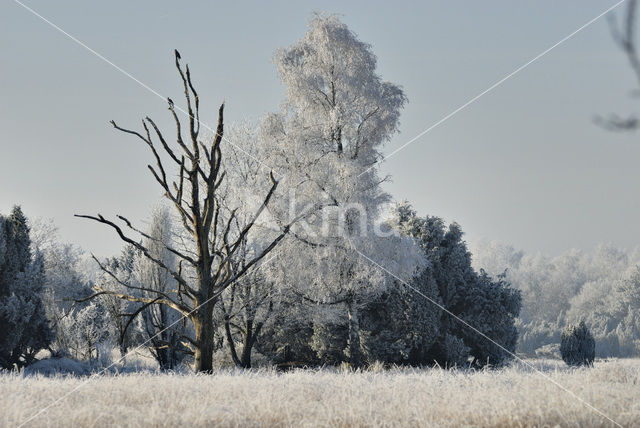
point(524, 164)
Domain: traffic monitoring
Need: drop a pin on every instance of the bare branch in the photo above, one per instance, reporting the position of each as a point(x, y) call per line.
point(133, 287)
point(137, 245)
point(170, 249)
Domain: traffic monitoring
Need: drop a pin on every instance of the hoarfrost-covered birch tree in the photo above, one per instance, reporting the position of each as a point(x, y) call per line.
point(337, 115)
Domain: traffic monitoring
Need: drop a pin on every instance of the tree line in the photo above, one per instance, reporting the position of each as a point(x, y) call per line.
point(272, 240)
point(601, 288)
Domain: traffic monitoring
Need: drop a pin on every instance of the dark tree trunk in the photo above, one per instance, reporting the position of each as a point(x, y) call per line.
point(204, 332)
point(230, 342)
point(245, 358)
point(355, 353)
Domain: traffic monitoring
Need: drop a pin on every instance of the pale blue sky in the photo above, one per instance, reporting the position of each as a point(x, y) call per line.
point(524, 164)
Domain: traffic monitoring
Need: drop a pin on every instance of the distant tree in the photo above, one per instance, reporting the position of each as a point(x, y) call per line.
point(628, 291)
point(537, 334)
point(162, 326)
point(87, 330)
point(578, 346)
point(626, 310)
point(64, 277)
point(599, 287)
point(25, 329)
point(118, 271)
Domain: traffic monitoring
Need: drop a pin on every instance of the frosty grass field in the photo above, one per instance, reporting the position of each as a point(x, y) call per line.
point(514, 396)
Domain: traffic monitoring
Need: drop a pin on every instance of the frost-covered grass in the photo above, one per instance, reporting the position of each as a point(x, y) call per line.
point(514, 396)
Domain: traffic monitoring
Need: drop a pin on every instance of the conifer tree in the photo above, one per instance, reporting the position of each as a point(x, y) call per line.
point(24, 327)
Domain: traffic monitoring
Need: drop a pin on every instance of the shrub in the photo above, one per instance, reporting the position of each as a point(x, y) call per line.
point(578, 346)
point(456, 351)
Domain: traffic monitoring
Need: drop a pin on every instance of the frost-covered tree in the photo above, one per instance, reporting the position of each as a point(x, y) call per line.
point(401, 326)
point(163, 327)
point(337, 115)
point(245, 308)
point(66, 277)
point(405, 324)
point(117, 272)
point(87, 330)
point(597, 287)
point(207, 219)
point(333, 90)
point(250, 302)
point(489, 305)
point(25, 329)
point(340, 277)
point(63, 263)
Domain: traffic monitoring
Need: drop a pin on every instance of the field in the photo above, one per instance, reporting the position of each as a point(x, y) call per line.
point(514, 396)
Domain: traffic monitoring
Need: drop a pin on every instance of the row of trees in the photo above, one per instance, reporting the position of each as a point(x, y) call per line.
point(280, 324)
point(274, 239)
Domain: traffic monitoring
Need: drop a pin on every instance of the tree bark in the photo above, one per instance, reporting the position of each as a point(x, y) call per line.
point(245, 359)
point(355, 354)
point(204, 330)
point(230, 343)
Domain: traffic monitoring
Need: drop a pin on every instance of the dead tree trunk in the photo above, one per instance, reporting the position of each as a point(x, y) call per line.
point(216, 231)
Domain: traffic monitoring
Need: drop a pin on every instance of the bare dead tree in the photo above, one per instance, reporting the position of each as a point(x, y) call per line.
point(623, 34)
point(216, 233)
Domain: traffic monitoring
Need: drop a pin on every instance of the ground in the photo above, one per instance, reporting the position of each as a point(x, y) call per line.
point(514, 396)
